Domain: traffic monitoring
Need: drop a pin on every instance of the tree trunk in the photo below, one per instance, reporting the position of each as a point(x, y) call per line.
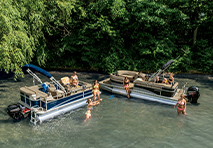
point(195, 35)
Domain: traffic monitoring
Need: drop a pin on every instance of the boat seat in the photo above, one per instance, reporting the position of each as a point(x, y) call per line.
point(65, 81)
point(125, 73)
point(27, 91)
point(55, 92)
point(157, 85)
point(35, 90)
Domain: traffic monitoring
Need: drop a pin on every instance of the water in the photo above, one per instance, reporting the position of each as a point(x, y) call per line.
point(115, 123)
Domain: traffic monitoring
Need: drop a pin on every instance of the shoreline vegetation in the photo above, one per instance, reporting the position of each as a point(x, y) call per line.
point(107, 35)
point(95, 70)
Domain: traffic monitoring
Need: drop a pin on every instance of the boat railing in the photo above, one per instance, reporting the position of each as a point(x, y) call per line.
point(65, 94)
point(56, 97)
point(184, 88)
point(157, 87)
point(135, 90)
point(66, 100)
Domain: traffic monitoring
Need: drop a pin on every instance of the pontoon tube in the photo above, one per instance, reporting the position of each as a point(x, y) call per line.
point(58, 112)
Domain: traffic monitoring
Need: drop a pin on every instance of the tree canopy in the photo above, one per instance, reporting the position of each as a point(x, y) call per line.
point(106, 34)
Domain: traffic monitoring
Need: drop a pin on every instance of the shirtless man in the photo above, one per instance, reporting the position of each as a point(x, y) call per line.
point(74, 79)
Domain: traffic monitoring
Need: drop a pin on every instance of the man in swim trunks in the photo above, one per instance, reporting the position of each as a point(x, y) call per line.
point(74, 79)
point(181, 105)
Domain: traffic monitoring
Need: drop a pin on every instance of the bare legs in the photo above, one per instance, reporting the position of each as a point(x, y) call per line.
point(181, 111)
point(127, 91)
point(88, 115)
point(96, 93)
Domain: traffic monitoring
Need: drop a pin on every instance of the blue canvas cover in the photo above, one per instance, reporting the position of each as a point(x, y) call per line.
point(38, 69)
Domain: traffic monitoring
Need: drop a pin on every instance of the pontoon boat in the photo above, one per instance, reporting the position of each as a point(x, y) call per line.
point(49, 99)
point(144, 86)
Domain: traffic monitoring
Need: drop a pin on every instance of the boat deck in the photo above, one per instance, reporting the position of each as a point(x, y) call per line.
point(108, 83)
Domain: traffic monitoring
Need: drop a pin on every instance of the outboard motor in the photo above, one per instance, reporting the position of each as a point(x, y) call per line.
point(15, 111)
point(193, 94)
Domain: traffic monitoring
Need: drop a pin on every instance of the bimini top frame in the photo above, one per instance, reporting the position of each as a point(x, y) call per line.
point(163, 68)
point(28, 68)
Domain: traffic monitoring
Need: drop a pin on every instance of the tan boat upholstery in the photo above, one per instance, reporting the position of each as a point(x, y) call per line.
point(33, 90)
point(115, 78)
point(125, 73)
point(131, 75)
point(65, 81)
point(156, 85)
point(27, 91)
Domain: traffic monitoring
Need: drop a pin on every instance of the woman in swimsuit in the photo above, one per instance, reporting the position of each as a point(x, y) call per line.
point(74, 79)
point(181, 105)
point(126, 86)
point(165, 81)
point(95, 90)
point(171, 79)
point(89, 108)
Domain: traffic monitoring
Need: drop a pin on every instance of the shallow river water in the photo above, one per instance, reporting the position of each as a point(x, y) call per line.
point(116, 123)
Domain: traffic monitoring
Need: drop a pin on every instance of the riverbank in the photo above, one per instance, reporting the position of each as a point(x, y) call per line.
point(96, 74)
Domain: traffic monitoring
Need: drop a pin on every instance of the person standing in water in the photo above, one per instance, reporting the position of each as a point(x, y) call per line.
point(89, 108)
point(181, 105)
point(126, 86)
point(95, 90)
point(74, 79)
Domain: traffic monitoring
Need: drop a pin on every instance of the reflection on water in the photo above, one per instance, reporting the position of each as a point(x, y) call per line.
point(116, 122)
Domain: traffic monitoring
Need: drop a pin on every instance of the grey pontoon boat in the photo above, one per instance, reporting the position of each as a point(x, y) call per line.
point(147, 88)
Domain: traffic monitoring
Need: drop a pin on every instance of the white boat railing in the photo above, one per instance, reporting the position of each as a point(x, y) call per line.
point(146, 93)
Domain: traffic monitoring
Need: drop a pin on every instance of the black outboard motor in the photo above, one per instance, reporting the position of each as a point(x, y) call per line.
point(15, 111)
point(193, 94)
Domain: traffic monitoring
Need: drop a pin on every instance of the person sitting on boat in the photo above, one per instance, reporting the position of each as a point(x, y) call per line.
point(181, 105)
point(126, 86)
point(74, 79)
point(171, 79)
point(157, 79)
point(95, 90)
point(89, 108)
point(165, 81)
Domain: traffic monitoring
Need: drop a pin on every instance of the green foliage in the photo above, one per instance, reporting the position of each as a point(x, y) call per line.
point(106, 34)
point(203, 56)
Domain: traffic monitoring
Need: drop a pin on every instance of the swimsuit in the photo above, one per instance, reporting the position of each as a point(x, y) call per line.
point(95, 86)
point(180, 108)
point(126, 84)
point(88, 109)
point(74, 78)
point(170, 80)
point(165, 81)
point(87, 113)
point(95, 90)
point(180, 103)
